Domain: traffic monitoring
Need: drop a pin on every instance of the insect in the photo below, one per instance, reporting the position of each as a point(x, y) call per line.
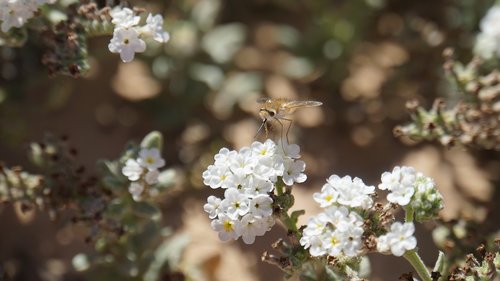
point(280, 109)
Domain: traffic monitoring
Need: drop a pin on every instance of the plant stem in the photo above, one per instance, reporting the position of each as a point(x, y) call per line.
point(416, 262)
point(409, 214)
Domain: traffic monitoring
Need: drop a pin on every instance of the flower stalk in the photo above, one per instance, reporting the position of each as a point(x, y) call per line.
point(416, 262)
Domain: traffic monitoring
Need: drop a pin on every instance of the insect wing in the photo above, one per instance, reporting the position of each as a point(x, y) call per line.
point(299, 104)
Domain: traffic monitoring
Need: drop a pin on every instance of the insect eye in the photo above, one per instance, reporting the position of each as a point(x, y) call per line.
point(272, 113)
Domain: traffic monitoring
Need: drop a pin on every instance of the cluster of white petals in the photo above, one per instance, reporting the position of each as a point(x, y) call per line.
point(488, 41)
point(15, 13)
point(411, 188)
point(143, 171)
point(334, 232)
point(345, 191)
point(398, 240)
point(249, 177)
point(338, 230)
point(128, 35)
point(401, 184)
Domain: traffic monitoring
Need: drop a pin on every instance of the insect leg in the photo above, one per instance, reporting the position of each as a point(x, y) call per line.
point(288, 129)
point(260, 128)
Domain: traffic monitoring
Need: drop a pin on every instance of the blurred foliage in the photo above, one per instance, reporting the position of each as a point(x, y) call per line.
point(130, 238)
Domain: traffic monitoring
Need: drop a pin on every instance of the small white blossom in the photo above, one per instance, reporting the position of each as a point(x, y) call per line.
point(258, 186)
point(216, 177)
point(124, 17)
point(326, 197)
point(132, 170)
point(251, 226)
point(212, 207)
point(150, 159)
point(151, 177)
point(136, 189)
point(15, 13)
point(226, 226)
point(154, 28)
point(127, 43)
point(261, 205)
point(235, 204)
point(399, 240)
point(294, 172)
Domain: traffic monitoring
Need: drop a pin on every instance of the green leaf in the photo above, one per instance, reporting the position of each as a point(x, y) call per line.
point(146, 209)
point(296, 214)
point(153, 140)
point(168, 254)
point(440, 263)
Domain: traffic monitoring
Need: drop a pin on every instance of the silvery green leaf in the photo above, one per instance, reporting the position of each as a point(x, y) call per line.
point(167, 254)
point(153, 140)
point(205, 13)
point(224, 41)
point(147, 209)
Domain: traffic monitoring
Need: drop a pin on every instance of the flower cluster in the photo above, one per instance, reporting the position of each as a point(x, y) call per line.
point(15, 13)
point(339, 229)
point(249, 177)
point(488, 41)
point(143, 171)
point(335, 232)
point(128, 35)
point(410, 188)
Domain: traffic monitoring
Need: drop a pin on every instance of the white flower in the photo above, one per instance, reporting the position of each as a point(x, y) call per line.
point(293, 172)
point(154, 28)
point(136, 189)
point(251, 226)
point(316, 225)
point(150, 159)
point(132, 170)
point(126, 41)
point(401, 183)
point(326, 197)
point(243, 163)
point(333, 244)
point(216, 177)
point(15, 13)
point(399, 240)
point(212, 207)
point(256, 186)
point(349, 192)
point(289, 150)
point(261, 205)
point(351, 238)
point(263, 150)
point(488, 41)
point(226, 226)
point(222, 158)
point(235, 204)
point(151, 177)
point(124, 17)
